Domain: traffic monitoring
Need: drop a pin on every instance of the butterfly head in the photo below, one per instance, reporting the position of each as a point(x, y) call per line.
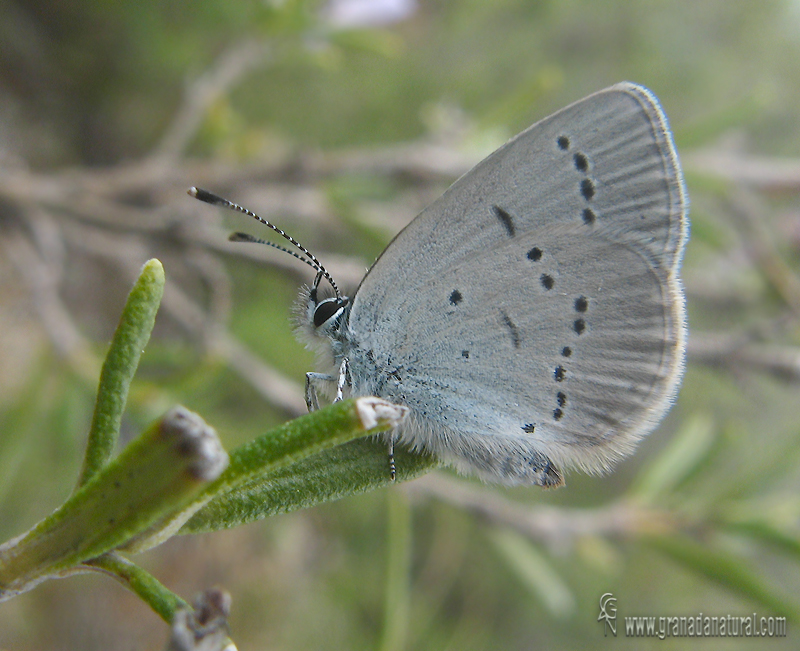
point(325, 316)
point(319, 317)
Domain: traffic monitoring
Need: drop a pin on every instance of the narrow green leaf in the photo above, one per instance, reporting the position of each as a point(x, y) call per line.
point(157, 473)
point(348, 469)
point(688, 448)
point(767, 532)
point(119, 367)
point(729, 571)
point(535, 570)
point(164, 602)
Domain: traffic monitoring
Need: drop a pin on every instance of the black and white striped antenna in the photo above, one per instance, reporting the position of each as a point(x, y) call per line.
point(309, 258)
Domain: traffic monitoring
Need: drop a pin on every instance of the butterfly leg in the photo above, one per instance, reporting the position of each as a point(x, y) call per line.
point(316, 380)
point(344, 369)
point(392, 467)
point(312, 381)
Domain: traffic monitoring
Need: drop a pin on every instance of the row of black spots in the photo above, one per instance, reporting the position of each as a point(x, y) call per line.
point(561, 401)
point(581, 305)
point(587, 187)
point(579, 159)
point(547, 280)
point(559, 375)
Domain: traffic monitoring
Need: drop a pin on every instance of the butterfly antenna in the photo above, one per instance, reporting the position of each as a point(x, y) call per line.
point(246, 237)
point(310, 259)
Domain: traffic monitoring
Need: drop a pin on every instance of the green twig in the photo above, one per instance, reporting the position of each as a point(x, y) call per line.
point(397, 598)
point(164, 602)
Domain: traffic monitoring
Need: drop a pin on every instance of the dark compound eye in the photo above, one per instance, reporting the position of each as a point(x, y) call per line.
point(326, 309)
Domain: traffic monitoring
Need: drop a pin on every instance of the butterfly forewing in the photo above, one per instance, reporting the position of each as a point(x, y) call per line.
point(533, 313)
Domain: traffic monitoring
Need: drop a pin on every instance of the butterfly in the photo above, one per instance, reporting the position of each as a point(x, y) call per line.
point(532, 318)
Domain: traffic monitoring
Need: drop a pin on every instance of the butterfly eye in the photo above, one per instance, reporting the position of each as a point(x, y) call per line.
point(327, 309)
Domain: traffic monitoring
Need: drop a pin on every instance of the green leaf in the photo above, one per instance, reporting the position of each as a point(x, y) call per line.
point(771, 521)
point(302, 437)
point(164, 602)
point(119, 367)
point(726, 569)
point(348, 469)
point(158, 473)
point(535, 571)
point(684, 453)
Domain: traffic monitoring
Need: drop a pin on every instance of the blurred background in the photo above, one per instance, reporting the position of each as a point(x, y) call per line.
point(340, 121)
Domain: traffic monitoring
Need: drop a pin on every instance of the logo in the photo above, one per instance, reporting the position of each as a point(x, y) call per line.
point(608, 613)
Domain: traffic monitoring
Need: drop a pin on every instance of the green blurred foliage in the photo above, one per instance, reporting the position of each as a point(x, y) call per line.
point(91, 84)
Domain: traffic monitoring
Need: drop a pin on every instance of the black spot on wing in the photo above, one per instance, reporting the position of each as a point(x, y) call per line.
point(505, 219)
point(551, 476)
point(512, 329)
point(586, 185)
point(456, 297)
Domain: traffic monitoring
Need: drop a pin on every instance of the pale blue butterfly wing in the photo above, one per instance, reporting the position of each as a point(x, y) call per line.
point(532, 318)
